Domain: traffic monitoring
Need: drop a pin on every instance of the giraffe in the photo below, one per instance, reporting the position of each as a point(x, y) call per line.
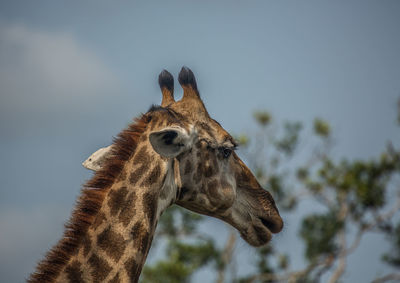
point(173, 154)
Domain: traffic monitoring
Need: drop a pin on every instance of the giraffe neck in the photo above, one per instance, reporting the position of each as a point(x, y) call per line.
point(116, 245)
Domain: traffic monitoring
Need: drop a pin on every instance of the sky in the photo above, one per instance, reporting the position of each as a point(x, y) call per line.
point(74, 73)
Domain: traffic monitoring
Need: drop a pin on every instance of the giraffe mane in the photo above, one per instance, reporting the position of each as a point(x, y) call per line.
point(90, 202)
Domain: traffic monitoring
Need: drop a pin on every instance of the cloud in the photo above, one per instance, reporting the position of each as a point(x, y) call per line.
point(48, 72)
point(44, 77)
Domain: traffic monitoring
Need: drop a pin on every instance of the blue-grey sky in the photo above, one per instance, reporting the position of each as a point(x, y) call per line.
point(73, 73)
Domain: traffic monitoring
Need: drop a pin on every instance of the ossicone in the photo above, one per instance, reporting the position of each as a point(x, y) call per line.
point(187, 80)
point(166, 82)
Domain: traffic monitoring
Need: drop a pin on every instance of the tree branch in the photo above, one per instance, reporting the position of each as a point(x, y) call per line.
point(292, 277)
point(343, 212)
point(392, 276)
point(227, 255)
point(370, 226)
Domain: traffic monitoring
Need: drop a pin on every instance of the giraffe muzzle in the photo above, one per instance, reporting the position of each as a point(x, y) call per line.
point(274, 224)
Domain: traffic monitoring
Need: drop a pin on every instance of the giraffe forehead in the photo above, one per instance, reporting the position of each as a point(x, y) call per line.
point(204, 128)
point(166, 117)
point(215, 134)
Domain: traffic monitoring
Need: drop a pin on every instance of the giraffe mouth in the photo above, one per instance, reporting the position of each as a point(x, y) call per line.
point(273, 225)
point(263, 235)
point(260, 231)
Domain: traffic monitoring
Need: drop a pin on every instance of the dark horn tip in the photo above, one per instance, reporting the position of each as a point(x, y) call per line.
point(186, 77)
point(165, 79)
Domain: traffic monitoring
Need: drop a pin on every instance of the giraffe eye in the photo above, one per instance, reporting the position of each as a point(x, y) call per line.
point(226, 152)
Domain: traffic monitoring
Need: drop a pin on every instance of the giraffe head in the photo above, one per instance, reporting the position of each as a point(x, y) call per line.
point(208, 176)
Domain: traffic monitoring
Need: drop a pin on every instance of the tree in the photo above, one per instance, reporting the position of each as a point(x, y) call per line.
point(354, 197)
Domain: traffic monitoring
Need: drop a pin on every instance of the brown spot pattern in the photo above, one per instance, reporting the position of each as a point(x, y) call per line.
point(141, 157)
point(115, 279)
point(145, 241)
point(122, 176)
point(137, 229)
point(153, 176)
point(86, 244)
point(212, 186)
point(100, 268)
point(99, 220)
point(112, 243)
point(133, 269)
point(117, 199)
point(198, 174)
point(150, 206)
point(242, 177)
point(208, 171)
point(214, 163)
point(74, 273)
point(141, 237)
point(137, 174)
point(128, 210)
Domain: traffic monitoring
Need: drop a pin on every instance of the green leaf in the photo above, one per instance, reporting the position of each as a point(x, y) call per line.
point(319, 234)
point(321, 128)
point(287, 144)
point(393, 256)
point(262, 117)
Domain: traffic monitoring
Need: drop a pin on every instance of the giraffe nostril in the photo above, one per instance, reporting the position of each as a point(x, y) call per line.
point(274, 224)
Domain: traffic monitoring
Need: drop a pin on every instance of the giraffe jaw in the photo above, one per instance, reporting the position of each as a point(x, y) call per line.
point(255, 225)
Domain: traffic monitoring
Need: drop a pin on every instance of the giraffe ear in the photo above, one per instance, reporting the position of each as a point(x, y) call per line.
point(170, 142)
point(96, 161)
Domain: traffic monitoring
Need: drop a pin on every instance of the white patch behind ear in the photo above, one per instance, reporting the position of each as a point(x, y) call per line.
point(170, 142)
point(96, 161)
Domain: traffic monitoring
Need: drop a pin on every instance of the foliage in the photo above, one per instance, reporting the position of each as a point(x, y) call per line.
point(182, 260)
point(318, 232)
point(186, 251)
point(288, 142)
point(321, 128)
point(297, 168)
point(393, 257)
point(262, 117)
